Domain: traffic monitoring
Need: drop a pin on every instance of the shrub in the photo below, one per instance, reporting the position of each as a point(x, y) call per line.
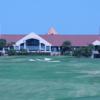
point(11, 52)
point(83, 52)
point(86, 51)
point(22, 52)
point(77, 52)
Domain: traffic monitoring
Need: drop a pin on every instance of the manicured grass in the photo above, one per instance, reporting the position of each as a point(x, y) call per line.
point(69, 79)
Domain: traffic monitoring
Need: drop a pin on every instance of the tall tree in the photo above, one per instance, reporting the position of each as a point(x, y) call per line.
point(66, 47)
point(2, 43)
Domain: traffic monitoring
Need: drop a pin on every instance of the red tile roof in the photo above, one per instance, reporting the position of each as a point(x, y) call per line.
point(11, 38)
point(57, 40)
point(76, 40)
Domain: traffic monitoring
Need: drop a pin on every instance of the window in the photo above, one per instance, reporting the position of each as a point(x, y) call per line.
point(47, 48)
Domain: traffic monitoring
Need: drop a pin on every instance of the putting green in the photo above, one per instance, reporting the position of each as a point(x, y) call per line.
point(67, 79)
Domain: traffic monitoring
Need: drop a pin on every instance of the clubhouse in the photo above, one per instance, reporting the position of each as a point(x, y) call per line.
point(49, 42)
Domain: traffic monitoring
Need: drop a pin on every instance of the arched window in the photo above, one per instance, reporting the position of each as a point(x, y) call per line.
point(32, 42)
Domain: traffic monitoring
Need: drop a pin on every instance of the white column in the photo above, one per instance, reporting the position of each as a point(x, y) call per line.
point(14, 47)
point(45, 48)
point(19, 47)
point(50, 48)
point(59, 49)
point(24, 44)
point(3, 51)
point(39, 46)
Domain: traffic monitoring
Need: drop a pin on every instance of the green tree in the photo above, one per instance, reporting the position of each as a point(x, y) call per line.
point(66, 48)
point(2, 43)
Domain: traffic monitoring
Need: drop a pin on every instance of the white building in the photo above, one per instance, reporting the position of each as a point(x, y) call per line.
point(33, 42)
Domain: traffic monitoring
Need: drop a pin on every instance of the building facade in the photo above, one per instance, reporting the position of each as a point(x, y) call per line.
point(49, 42)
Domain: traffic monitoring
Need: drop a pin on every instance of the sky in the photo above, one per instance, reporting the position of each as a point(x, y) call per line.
point(66, 16)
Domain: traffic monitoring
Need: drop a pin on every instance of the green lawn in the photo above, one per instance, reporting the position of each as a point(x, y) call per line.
point(69, 79)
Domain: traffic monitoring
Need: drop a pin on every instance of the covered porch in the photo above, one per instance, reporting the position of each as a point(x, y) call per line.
point(33, 43)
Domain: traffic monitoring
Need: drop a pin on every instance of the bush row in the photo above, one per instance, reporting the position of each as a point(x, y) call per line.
point(82, 52)
point(78, 52)
point(24, 52)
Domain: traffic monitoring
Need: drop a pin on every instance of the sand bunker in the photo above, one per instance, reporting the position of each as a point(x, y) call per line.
point(54, 61)
point(32, 60)
point(44, 60)
point(47, 59)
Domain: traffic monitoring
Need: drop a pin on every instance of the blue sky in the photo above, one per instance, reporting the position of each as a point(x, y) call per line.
point(67, 16)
